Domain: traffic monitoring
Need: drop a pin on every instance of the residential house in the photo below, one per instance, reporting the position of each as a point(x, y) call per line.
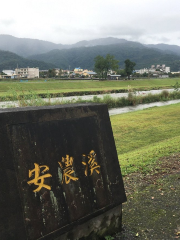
point(113, 77)
point(88, 73)
point(78, 70)
point(8, 74)
point(27, 72)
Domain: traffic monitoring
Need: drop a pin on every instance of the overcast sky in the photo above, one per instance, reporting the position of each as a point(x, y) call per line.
point(70, 21)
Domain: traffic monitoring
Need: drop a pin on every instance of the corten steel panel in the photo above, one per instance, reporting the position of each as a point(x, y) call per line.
point(44, 136)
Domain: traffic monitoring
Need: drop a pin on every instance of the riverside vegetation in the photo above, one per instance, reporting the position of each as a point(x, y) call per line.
point(143, 137)
point(58, 88)
point(31, 98)
point(39, 93)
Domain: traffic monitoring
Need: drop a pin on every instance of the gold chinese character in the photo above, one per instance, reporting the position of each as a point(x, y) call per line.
point(67, 168)
point(92, 164)
point(39, 181)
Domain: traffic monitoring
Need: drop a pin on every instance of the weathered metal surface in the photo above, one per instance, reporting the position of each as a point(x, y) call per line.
point(59, 169)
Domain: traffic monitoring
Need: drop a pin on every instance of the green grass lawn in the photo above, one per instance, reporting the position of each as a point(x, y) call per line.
point(143, 137)
point(57, 86)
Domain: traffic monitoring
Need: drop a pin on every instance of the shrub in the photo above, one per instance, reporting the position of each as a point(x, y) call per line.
point(164, 94)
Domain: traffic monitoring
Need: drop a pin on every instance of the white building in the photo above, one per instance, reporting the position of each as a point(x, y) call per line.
point(167, 69)
point(176, 72)
point(8, 74)
point(141, 71)
point(161, 69)
point(27, 72)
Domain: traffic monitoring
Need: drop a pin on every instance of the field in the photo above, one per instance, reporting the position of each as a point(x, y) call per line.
point(143, 137)
point(57, 86)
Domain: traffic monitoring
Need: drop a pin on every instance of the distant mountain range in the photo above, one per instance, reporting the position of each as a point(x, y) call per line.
point(84, 56)
point(45, 55)
point(172, 49)
point(9, 60)
point(27, 47)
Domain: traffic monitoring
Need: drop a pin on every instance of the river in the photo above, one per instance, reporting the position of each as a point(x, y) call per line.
point(113, 111)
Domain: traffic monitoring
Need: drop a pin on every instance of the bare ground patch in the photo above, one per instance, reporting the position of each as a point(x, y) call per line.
point(153, 208)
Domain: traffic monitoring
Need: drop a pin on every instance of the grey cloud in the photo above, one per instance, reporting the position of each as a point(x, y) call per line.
point(159, 23)
point(7, 22)
point(59, 30)
point(122, 31)
point(158, 38)
point(73, 30)
point(164, 39)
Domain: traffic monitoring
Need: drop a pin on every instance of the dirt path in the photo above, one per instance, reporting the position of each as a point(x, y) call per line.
point(153, 208)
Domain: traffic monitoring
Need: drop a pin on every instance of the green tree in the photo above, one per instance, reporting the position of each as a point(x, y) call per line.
point(42, 74)
point(145, 74)
point(121, 72)
point(51, 73)
point(99, 65)
point(103, 65)
point(60, 72)
point(129, 67)
point(77, 75)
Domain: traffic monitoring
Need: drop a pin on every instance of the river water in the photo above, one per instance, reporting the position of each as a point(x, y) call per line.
point(113, 111)
point(113, 95)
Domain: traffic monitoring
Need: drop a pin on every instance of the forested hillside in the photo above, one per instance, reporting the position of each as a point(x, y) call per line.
point(25, 46)
point(9, 60)
point(84, 56)
point(172, 49)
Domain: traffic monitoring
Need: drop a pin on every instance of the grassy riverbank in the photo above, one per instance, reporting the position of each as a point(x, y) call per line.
point(32, 99)
point(148, 147)
point(143, 137)
point(60, 88)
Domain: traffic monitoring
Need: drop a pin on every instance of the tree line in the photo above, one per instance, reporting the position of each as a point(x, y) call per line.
point(103, 65)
